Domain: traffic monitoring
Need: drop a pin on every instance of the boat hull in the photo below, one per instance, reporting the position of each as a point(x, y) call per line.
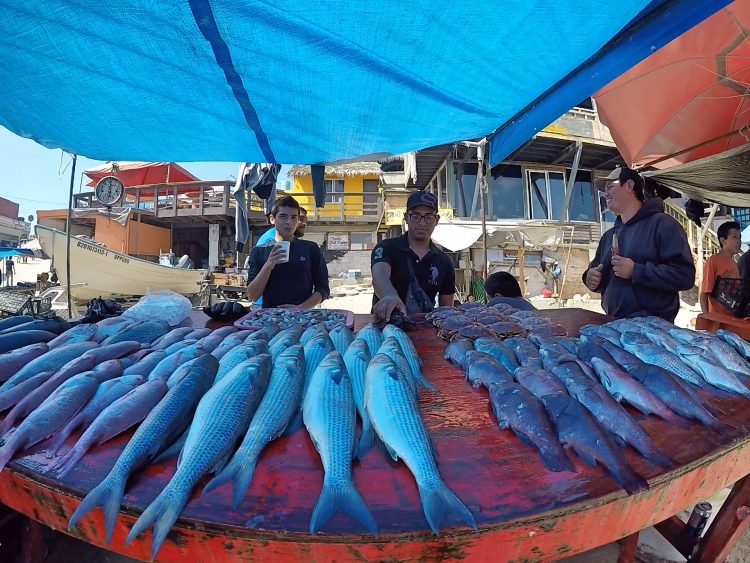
point(97, 271)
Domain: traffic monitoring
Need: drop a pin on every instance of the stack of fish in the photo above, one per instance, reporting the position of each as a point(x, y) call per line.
point(473, 320)
point(552, 391)
point(329, 318)
point(217, 399)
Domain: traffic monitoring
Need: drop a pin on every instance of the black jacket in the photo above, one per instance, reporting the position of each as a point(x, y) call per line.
point(663, 265)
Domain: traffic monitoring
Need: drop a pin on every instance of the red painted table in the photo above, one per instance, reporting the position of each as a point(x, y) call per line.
point(525, 513)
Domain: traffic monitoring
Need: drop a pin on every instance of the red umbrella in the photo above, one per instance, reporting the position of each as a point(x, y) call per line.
point(140, 173)
point(691, 97)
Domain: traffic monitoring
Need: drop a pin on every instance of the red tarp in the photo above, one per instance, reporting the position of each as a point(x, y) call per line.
point(140, 173)
point(693, 90)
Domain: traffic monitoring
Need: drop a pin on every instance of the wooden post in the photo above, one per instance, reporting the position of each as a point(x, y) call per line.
point(628, 547)
point(68, 227)
point(521, 266)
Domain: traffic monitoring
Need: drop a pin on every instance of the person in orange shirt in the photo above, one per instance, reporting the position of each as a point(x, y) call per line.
point(722, 265)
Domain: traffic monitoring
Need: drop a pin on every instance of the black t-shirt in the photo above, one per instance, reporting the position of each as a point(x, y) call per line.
point(291, 283)
point(434, 272)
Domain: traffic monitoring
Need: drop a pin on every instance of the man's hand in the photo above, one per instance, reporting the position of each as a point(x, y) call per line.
point(594, 277)
point(623, 267)
point(276, 257)
point(385, 307)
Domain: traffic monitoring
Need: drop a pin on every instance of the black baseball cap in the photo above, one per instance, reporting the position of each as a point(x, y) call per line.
point(622, 174)
point(422, 198)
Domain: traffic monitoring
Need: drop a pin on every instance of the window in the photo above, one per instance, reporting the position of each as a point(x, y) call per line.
point(466, 183)
point(582, 199)
point(442, 188)
point(546, 194)
point(361, 241)
point(334, 191)
point(505, 193)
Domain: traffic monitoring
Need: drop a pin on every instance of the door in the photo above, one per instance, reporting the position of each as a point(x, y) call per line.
point(370, 198)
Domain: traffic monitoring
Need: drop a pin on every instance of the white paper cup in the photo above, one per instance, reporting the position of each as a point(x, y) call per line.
point(284, 245)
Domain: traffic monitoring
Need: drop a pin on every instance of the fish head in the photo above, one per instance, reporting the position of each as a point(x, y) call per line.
point(629, 338)
point(360, 350)
point(688, 350)
point(681, 336)
point(383, 364)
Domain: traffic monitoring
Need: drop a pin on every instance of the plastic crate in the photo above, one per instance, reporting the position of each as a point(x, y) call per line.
point(734, 294)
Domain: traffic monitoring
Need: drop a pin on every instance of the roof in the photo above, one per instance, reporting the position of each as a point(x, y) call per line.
point(340, 170)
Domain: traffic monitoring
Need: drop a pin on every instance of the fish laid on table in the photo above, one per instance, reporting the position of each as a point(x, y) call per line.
point(14, 395)
point(179, 346)
point(455, 351)
point(499, 350)
point(171, 362)
point(577, 429)
point(52, 361)
point(740, 345)
point(111, 326)
point(484, 370)
point(11, 362)
point(197, 334)
point(713, 373)
point(214, 340)
point(612, 417)
point(391, 348)
point(79, 333)
point(341, 336)
point(146, 364)
point(330, 416)
point(602, 331)
point(173, 336)
point(238, 355)
point(395, 416)
point(277, 408)
point(50, 416)
point(316, 349)
point(356, 359)
point(163, 425)
point(15, 321)
point(123, 413)
point(54, 325)
point(723, 353)
point(650, 353)
point(228, 344)
point(16, 340)
point(106, 394)
point(664, 385)
point(622, 387)
point(539, 381)
point(221, 418)
point(278, 344)
point(311, 331)
point(410, 353)
point(372, 335)
point(145, 332)
point(527, 353)
point(517, 408)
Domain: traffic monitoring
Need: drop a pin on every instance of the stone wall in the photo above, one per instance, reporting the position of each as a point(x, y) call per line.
point(339, 261)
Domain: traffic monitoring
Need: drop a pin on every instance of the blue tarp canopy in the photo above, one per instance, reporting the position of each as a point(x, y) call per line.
point(302, 81)
point(5, 252)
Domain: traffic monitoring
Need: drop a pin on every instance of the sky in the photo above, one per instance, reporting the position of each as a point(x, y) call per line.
point(36, 177)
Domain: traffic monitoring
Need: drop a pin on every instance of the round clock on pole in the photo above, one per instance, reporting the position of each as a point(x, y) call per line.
point(109, 190)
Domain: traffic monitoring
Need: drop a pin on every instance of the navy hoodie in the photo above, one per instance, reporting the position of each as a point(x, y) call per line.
point(663, 265)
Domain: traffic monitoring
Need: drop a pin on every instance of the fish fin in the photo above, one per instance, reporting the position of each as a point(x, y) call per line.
point(588, 459)
point(523, 437)
point(656, 456)
point(618, 440)
point(630, 480)
point(69, 460)
point(555, 459)
point(9, 448)
point(173, 449)
point(294, 424)
point(240, 472)
point(366, 439)
point(719, 426)
point(439, 500)
point(162, 513)
point(55, 442)
point(108, 495)
point(346, 498)
point(422, 382)
point(222, 462)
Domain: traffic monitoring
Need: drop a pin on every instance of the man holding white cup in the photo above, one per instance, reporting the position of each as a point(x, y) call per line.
point(288, 272)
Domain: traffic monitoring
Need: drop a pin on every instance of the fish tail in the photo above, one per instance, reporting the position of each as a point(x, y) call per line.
point(58, 438)
point(437, 501)
point(9, 449)
point(108, 495)
point(173, 449)
point(8, 421)
point(346, 498)
point(424, 383)
point(655, 455)
point(239, 471)
point(555, 459)
point(162, 513)
point(70, 459)
point(719, 426)
point(630, 481)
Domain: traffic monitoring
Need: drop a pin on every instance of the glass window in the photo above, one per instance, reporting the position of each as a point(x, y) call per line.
point(556, 183)
point(466, 178)
point(505, 193)
point(442, 189)
point(538, 195)
point(361, 241)
point(582, 199)
point(334, 189)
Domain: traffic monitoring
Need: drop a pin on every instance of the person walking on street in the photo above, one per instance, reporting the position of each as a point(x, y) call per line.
point(10, 270)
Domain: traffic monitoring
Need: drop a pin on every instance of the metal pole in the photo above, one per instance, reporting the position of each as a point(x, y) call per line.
point(483, 203)
point(68, 225)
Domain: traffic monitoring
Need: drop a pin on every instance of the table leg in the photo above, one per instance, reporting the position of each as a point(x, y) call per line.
point(628, 547)
point(730, 523)
point(32, 548)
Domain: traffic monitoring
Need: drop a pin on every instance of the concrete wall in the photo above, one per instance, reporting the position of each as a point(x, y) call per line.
point(344, 261)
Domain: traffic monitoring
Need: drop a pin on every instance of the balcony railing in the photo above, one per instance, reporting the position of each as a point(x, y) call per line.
point(349, 207)
point(184, 199)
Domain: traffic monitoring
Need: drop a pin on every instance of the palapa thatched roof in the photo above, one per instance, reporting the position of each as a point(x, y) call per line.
point(340, 170)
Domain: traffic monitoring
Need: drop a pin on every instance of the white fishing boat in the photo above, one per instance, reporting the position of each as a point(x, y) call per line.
point(97, 271)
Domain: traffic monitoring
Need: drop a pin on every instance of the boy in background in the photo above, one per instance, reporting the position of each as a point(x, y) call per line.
point(722, 265)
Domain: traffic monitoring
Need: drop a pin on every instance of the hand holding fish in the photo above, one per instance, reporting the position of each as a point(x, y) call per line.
point(594, 277)
point(386, 306)
point(623, 267)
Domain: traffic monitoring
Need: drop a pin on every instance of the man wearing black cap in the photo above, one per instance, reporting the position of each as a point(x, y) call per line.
point(644, 261)
point(409, 271)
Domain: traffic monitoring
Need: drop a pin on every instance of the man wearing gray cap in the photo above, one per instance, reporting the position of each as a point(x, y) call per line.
point(644, 261)
point(409, 271)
